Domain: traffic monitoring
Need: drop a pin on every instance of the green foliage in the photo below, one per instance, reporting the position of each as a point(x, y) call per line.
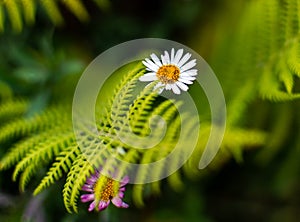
point(260, 61)
point(256, 65)
point(16, 10)
point(47, 138)
point(270, 63)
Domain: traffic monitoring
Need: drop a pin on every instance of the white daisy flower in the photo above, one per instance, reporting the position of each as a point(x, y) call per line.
point(173, 71)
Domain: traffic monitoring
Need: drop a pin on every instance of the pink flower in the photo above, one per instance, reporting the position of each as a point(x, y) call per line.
point(103, 190)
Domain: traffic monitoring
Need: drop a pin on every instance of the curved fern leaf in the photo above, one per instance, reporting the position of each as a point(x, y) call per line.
point(2, 18)
point(77, 8)
point(5, 91)
point(19, 9)
point(12, 109)
point(27, 174)
point(52, 10)
point(14, 14)
point(62, 165)
point(29, 10)
point(44, 152)
point(80, 171)
point(23, 127)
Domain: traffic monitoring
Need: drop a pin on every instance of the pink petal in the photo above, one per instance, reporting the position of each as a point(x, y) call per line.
point(87, 197)
point(91, 180)
point(122, 189)
point(117, 201)
point(87, 187)
point(92, 206)
point(103, 205)
point(124, 205)
point(125, 181)
point(121, 194)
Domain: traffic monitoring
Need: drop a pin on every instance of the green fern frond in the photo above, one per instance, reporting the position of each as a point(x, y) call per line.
point(293, 59)
point(23, 127)
point(125, 110)
point(80, 171)
point(2, 17)
point(104, 4)
point(14, 14)
point(27, 175)
point(27, 9)
point(12, 109)
point(283, 114)
point(137, 115)
point(23, 147)
point(270, 86)
point(17, 153)
point(131, 71)
point(282, 21)
point(285, 77)
point(44, 152)
point(53, 11)
point(62, 164)
point(270, 60)
point(235, 138)
point(77, 8)
point(122, 101)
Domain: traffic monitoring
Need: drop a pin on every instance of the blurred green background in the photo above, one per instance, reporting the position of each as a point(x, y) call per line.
point(244, 42)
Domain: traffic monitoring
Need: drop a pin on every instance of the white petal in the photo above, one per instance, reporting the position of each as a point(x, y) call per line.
point(189, 65)
point(191, 72)
point(184, 60)
point(163, 60)
point(187, 77)
point(150, 67)
point(168, 87)
point(175, 89)
point(160, 87)
point(159, 84)
point(178, 56)
point(155, 59)
point(152, 63)
point(167, 57)
point(182, 86)
point(185, 81)
point(172, 55)
point(150, 74)
point(148, 77)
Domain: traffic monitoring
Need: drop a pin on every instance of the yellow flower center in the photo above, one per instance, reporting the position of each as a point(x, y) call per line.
point(108, 191)
point(168, 74)
point(105, 190)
